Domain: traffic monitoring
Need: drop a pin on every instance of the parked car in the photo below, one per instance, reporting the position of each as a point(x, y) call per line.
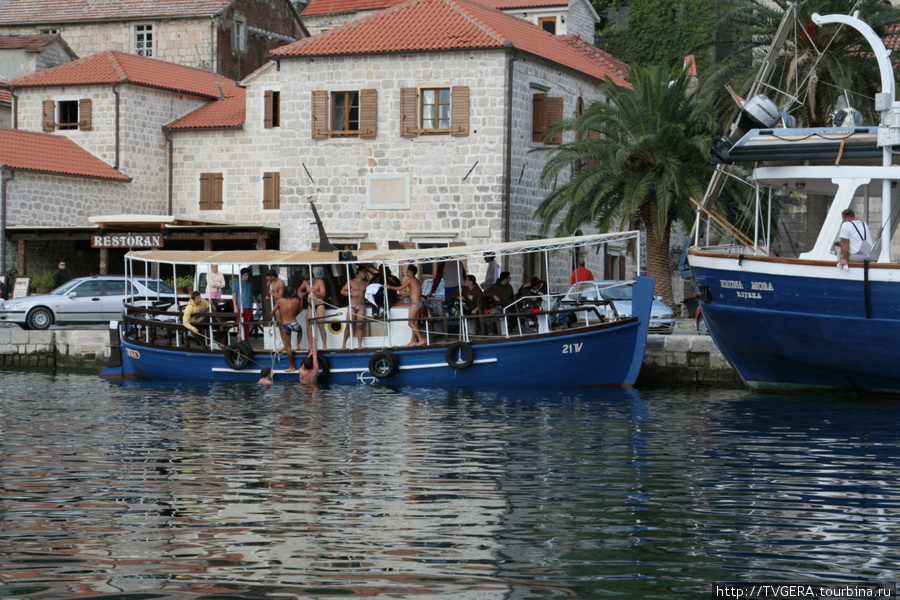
point(702, 329)
point(92, 299)
point(618, 293)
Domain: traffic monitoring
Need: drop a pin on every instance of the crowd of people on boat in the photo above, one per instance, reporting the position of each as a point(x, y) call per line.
point(372, 287)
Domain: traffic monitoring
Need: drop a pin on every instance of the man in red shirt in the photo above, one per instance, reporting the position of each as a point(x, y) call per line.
point(580, 274)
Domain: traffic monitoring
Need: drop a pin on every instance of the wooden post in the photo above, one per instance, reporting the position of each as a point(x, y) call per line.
point(20, 260)
point(104, 261)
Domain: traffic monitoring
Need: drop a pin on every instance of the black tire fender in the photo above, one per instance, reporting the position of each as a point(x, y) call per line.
point(460, 355)
point(324, 367)
point(239, 355)
point(384, 364)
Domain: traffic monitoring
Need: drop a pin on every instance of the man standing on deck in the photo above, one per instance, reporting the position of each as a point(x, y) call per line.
point(580, 274)
point(856, 239)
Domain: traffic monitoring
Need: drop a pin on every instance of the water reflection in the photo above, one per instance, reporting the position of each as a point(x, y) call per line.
point(244, 491)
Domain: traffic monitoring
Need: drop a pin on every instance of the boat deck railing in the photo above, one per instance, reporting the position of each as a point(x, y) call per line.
point(164, 327)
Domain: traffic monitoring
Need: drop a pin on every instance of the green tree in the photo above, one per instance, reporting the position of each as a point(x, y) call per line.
point(650, 159)
point(816, 63)
point(662, 32)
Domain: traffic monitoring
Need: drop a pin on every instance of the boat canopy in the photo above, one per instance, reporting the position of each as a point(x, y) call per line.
point(282, 257)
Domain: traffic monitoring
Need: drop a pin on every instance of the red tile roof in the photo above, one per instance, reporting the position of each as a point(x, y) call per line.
point(511, 4)
point(618, 69)
point(25, 12)
point(48, 153)
point(226, 112)
point(334, 7)
point(5, 96)
point(26, 42)
point(435, 25)
point(119, 67)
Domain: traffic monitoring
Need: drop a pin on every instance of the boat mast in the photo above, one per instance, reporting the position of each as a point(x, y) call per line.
point(762, 77)
point(889, 129)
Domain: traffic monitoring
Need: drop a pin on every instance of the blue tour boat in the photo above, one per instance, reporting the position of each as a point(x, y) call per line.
point(804, 323)
point(521, 346)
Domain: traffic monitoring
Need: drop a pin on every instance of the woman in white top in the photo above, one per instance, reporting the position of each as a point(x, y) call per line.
point(215, 281)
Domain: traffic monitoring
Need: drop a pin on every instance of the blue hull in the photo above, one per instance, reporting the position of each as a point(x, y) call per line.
point(602, 355)
point(803, 327)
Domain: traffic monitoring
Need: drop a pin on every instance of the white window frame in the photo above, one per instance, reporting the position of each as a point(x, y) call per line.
point(240, 31)
point(141, 46)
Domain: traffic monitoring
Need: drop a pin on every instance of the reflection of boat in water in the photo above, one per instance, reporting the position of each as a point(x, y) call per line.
point(803, 323)
point(528, 346)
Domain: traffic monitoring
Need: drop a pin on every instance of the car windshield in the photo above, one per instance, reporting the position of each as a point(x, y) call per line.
point(617, 292)
point(66, 287)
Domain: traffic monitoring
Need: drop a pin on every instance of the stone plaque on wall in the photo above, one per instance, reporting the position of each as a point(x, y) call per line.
point(387, 191)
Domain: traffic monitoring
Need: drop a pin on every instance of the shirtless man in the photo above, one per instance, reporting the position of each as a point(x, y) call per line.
point(415, 302)
point(276, 289)
point(309, 368)
point(315, 292)
point(356, 290)
point(286, 310)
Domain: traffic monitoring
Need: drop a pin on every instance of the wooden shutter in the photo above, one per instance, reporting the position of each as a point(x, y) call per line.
point(538, 117)
point(459, 111)
point(210, 191)
point(320, 115)
point(409, 105)
point(368, 113)
point(267, 109)
point(554, 115)
point(271, 191)
point(84, 114)
point(49, 117)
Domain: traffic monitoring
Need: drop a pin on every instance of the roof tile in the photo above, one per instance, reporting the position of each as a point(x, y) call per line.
point(5, 95)
point(48, 153)
point(119, 67)
point(24, 12)
point(26, 42)
point(334, 7)
point(435, 25)
point(226, 112)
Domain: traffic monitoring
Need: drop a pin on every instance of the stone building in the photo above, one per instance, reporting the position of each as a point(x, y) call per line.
point(576, 17)
point(24, 54)
point(88, 142)
point(230, 37)
point(418, 126)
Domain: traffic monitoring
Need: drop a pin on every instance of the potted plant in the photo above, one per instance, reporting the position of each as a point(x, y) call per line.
point(184, 284)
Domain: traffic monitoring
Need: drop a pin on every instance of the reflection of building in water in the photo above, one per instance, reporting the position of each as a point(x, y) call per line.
point(349, 494)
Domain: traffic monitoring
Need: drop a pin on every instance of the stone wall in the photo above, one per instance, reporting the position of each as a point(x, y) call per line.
point(72, 350)
point(677, 360)
point(181, 41)
point(456, 184)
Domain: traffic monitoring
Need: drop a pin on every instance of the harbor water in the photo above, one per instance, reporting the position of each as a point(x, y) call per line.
point(158, 490)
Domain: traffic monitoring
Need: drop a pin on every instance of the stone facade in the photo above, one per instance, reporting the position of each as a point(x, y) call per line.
point(456, 185)
point(18, 62)
point(201, 41)
point(142, 155)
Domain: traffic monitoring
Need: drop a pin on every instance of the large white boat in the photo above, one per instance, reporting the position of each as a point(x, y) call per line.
point(806, 323)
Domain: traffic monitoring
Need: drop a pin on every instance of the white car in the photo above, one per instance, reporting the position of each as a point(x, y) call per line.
point(618, 293)
point(92, 299)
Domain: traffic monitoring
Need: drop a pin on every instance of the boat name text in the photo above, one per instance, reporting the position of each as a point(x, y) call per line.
point(733, 284)
point(572, 348)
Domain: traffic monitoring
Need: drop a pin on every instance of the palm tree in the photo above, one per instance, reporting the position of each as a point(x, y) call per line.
point(649, 159)
point(817, 64)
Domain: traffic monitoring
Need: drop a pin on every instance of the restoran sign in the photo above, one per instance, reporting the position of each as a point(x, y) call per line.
point(127, 240)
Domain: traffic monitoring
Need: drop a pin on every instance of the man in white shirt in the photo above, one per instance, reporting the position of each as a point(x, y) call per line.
point(856, 239)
